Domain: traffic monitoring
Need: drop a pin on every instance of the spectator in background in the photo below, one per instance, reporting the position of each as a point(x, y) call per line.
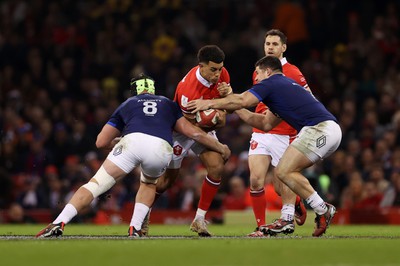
point(391, 197)
point(290, 17)
point(30, 197)
point(236, 199)
point(52, 188)
point(377, 177)
point(353, 193)
point(16, 215)
point(371, 197)
point(189, 194)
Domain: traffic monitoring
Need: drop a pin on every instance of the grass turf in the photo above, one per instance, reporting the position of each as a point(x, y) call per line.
point(176, 245)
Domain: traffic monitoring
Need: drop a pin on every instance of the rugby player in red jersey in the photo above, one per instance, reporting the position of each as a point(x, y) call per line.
point(268, 148)
point(200, 82)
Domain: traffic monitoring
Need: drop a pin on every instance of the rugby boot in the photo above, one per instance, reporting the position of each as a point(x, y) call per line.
point(300, 211)
point(52, 230)
point(322, 221)
point(199, 225)
point(133, 233)
point(145, 225)
point(277, 227)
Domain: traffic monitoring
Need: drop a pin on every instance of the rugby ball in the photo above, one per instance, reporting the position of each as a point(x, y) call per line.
point(207, 118)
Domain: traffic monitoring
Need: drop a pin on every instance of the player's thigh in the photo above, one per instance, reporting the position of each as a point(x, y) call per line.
point(113, 170)
point(259, 165)
point(293, 160)
point(213, 162)
point(157, 157)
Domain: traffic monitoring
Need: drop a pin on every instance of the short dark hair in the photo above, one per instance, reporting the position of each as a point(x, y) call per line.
point(271, 62)
point(210, 53)
point(275, 32)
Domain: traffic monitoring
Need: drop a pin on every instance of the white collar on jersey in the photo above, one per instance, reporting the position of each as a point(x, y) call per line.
point(201, 79)
point(283, 61)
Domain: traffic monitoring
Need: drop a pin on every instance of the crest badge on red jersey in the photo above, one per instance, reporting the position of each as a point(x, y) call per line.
point(184, 101)
point(253, 144)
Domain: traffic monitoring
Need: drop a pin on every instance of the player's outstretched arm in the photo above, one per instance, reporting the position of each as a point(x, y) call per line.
point(185, 127)
point(230, 102)
point(264, 122)
point(108, 137)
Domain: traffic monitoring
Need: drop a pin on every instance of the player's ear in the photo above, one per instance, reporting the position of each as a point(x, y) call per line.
point(284, 47)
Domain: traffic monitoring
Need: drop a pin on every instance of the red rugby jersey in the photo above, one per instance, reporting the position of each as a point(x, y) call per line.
point(294, 73)
point(193, 86)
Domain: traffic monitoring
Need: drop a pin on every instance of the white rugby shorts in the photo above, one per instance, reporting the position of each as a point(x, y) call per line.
point(319, 141)
point(182, 145)
point(153, 154)
point(270, 145)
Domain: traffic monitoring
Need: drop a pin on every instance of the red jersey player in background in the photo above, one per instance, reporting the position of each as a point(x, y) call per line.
point(268, 148)
point(199, 83)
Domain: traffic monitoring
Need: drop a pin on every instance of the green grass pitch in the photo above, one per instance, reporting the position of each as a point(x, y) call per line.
point(176, 245)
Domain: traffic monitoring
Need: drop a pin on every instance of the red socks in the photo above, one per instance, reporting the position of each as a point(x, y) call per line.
point(208, 190)
point(259, 205)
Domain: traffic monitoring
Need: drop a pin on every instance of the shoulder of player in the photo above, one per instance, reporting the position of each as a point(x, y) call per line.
point(147, 97)
point(189, 79)
point(290, 68)
point(225, 75)
point(275, 81)
point(293, 72)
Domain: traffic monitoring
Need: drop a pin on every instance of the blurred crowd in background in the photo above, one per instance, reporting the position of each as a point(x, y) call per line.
point(66, 65)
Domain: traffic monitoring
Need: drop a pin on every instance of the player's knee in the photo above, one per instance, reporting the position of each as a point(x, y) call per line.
point(256, 182)
point(162, 185)
point(167, 180)
point(103, 182)
point(281, 173)
point(148, 179)
point(215, 170)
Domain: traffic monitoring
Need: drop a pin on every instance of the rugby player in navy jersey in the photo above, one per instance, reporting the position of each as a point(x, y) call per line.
point(145, 122)
point(319, 134)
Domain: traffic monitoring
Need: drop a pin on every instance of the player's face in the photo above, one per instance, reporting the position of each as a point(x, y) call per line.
point(274, 47)
point(261, 74)
point(211, 71)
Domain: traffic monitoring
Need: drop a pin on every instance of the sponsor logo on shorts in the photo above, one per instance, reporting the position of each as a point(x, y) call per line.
point(253, 144)
point(177, 150)
point(321, 141)
point(118, 150)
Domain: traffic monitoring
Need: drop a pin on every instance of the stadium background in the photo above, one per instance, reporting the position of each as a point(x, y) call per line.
point(66, 65)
